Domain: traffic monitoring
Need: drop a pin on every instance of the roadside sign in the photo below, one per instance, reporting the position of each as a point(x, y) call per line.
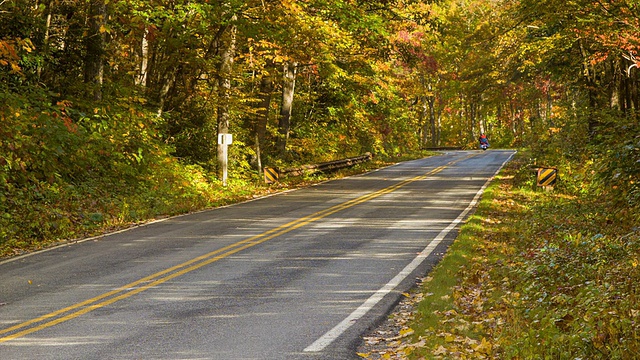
point(270, 175)
point(547, 176)
point(225, 139)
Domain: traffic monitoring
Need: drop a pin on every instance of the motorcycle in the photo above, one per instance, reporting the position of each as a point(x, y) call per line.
point(484, 146)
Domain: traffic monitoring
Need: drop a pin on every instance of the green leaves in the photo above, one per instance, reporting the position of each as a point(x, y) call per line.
point(532, 268)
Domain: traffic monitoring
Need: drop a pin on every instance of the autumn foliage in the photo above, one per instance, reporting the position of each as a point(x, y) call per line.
point(110, 113)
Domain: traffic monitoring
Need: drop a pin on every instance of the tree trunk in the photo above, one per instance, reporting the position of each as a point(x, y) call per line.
point(549, 109)
point(429, 106)
point(94, 59)
point(628, 95)
point(472, 118)
point(288, 88)
point(462, 115)
point(438, 126)
point(422, 120)
point(167, 83)
point(262, 115)
point(636, 93)
point(614, 93)
point(224, 86)
point(141, 79)
point(47, 33)
point(591, 87)
point(432, 119)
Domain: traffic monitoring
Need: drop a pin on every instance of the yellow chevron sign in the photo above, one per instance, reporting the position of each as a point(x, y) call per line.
point(547, 176)
point(270, 175)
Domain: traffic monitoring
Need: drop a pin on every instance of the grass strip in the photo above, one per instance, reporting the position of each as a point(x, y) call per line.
point(533, 275)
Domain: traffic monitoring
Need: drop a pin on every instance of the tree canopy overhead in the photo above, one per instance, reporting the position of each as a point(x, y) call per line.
point(97, 87)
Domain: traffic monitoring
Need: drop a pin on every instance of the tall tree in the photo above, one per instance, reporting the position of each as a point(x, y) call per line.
point(95, 47)
point(224, 83)
point(288, 88)
point(262, 115)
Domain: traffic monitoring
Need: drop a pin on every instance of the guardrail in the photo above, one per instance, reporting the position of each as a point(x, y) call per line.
point(327, 166)
point(272, 175)
point(444, 148)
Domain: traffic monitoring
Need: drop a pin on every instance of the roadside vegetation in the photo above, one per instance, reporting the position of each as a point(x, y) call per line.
point(110, 113)
point(48, 214)
point(538, 274)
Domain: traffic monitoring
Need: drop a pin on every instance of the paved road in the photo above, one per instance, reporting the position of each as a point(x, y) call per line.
point(299, 275)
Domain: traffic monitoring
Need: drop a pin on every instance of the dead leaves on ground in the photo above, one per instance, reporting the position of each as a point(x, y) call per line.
point(537, 284)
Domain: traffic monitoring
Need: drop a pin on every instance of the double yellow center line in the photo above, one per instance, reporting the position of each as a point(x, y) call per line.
point(128, 290)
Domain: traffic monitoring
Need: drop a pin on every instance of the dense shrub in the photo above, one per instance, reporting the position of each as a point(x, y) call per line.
point(67, 172)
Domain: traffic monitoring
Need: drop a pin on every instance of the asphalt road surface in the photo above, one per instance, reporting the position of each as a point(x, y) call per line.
point(298, 275)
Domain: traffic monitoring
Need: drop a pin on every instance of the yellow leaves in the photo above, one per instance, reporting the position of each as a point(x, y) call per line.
point(463, 347)
point(441, 350)
point(489, 220)
point(406, 332)
point(484, 347)
point(9, 52)
point(15, 68)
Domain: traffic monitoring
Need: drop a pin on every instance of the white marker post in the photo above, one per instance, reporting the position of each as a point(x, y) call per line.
point(225, 140)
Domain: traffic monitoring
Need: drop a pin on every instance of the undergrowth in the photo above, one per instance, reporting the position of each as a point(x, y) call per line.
point(37, 213)
point(69, 171)
point(539, 275)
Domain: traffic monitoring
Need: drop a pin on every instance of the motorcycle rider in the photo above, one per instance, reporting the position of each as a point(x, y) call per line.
point(483, 140)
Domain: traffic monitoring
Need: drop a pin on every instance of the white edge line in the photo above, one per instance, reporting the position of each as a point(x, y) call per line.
point(331, 335)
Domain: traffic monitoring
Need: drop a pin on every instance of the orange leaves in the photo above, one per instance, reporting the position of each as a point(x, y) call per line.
point(9, 52)
point(66, 119)
point(611, 28)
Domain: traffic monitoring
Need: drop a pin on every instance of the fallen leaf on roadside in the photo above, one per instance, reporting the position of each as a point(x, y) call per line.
point(440, 351)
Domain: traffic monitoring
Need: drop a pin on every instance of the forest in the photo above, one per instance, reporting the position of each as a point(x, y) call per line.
point(111, 110)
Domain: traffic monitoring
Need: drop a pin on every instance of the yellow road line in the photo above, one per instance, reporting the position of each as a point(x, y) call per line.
point(158, 278)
